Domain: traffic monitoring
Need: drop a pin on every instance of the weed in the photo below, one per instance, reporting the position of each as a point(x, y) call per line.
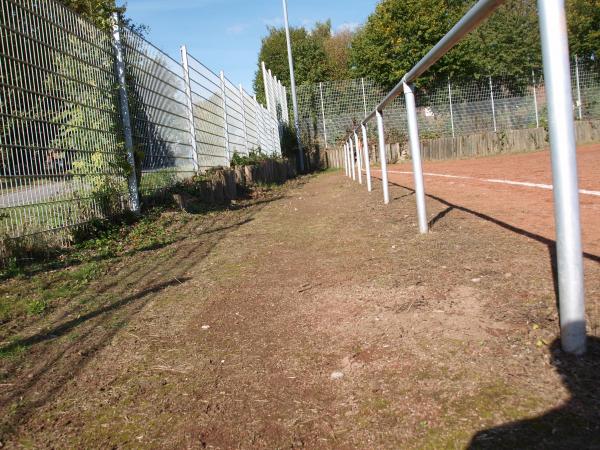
point(36, 307)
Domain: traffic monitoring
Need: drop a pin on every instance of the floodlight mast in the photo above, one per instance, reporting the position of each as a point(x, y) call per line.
point(293, 86)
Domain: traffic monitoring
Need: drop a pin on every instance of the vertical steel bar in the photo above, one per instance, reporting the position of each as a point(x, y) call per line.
point(365, 146)
point(226, 126)
point(358, 157)
point(190, 102)
point(493, 104)
point(346, 164)
point(293, 86)
point(415, 152)
point(364, 94)
point(535, 102)
point(323, 114)
point(451, 107)
point(266, 84)
point(382, 157)
point(579, 107)
point(352, 161)
point(557, 75)
point(134, 198)
point(244, 126)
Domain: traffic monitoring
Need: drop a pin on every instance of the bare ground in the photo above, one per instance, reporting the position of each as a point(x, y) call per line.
point(229, 336)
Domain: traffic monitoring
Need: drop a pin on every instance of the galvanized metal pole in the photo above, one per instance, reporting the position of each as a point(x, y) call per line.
point(557, 75)
point(246, 147)
point(578, 88)
point(352, 161)
point(266, 84)
point(323, 114)
point(415, 152)
point(493, 105)
point(346, 161)
point(226, 126)
point(362, 81)
point(535, 103)
point(293, 86)
point(382, 156)
point(451, 108)
point(190, 102)
point(134, 196)
point(365, 145)
point(358, 157)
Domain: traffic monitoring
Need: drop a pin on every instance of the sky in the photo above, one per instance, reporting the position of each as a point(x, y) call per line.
point(226, 34)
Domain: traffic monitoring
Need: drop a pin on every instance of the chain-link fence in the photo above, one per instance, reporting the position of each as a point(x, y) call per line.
point(328, 111)
point(67, 138)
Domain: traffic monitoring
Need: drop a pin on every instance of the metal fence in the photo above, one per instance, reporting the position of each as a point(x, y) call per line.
point(329, 110)
point(67, 138)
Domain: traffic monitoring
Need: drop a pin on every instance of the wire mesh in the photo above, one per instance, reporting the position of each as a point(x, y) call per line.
point(159, 119)
point(61, 152)
point(451, 108)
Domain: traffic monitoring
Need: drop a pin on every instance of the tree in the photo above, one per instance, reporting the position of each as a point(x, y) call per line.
point(584, 27)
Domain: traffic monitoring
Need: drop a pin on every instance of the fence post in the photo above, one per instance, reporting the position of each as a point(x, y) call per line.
point(535, 103)
point(352, 161)
point(346, 165)
point(134, 196)
point(243, 104)
point(493, 104)
point(362, 81)
point(415, 152)
point(569, 255)
point(451, 108)
point(365, 144)
point(323, 114)
point(190, 102)
point(578, 87)
point(358, 157)
point(382, 158)
point(224, 94)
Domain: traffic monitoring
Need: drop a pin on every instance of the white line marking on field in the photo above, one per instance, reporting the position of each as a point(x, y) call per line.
point(492, 180)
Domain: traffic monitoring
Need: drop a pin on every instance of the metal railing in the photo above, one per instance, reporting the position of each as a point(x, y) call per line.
point(79, 106)
point(557, 74)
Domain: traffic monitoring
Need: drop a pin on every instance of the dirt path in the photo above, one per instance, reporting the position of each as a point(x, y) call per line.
point(321, 320)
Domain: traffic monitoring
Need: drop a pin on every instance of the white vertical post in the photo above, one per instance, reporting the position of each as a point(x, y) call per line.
point(266, 83)
point(362, 81)
point(569, 255)
point(190, 102)
point(246, 147)
point(365, 146)
point(224, 94)
point(451, 107)
point(358, 157)
point(415, 152)
point(293, 86)
point(352, 161)
point(535, 102)
point(382, 156)
point(579, 106)
point(134, 197)
point(346, 165)
point(323, 114)
point(493, 104)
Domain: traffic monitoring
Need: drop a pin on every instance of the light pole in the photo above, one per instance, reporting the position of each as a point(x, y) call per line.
point(293, 86)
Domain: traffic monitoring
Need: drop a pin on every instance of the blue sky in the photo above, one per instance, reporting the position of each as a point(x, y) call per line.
point(226, 34)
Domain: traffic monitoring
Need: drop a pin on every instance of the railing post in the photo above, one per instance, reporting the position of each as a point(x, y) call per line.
point(243, 105)
point(346, 165)
point(569, 255)
point(224, 94)
point(352, 161)
point(365, 146)
point(323, 114)
point(266, 83)
point(190, 102)
point(132, 182)
point(493, 104)
point(382, 157)
point(451, 107)
point(415, 151)
point(579, 106)
point(358, 157)
point(535, 102)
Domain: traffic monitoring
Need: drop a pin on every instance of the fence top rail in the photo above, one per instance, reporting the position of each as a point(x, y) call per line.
point(471, 20)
